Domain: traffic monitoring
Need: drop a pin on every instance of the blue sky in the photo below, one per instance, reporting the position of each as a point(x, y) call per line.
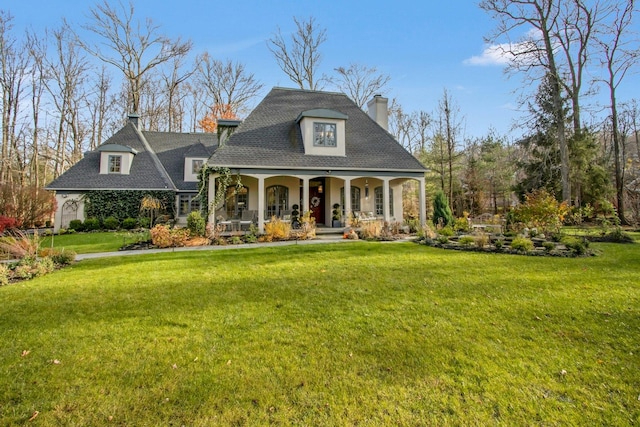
point(425, 46)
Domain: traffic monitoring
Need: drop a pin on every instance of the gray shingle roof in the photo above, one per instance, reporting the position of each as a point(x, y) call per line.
point(271, 138)
point(145, 174)
point(268, 138)
point(172, 148)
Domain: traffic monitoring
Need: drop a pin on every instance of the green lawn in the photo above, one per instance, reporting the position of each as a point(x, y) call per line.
point(86, 243)
point(335, 334)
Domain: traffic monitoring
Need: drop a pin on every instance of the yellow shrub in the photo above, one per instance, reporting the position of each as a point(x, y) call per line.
point(370, 229)
point(276, 229)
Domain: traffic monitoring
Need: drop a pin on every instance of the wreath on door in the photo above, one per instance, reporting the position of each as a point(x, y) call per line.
point(315, 201)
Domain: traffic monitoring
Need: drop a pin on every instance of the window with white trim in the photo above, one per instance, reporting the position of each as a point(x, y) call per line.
point(115, 164)
point(324, 134)
point(196, 166)
point(188, 203)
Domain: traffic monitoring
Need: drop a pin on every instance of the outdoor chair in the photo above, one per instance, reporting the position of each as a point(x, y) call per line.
point(247, 219)
point(222, 220)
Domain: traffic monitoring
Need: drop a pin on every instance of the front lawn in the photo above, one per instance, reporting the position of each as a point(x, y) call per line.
point(359, 334)
point(94, 242)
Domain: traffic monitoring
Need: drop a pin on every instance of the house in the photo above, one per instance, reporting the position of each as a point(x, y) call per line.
point(297, 147)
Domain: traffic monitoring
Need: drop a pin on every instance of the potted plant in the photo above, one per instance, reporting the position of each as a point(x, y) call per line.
point(336, 216)
point(295, 217)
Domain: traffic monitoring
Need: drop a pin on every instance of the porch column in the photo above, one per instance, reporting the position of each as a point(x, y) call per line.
point(261, 204)
point(347, 201)
point(211, 196)
point(385, 200)
point(422, 198)
point(305, 196)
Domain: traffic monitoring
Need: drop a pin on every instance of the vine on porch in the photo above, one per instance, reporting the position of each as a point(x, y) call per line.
point(223, 181)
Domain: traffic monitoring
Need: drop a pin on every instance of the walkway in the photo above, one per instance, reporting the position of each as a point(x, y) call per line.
point(321, 238)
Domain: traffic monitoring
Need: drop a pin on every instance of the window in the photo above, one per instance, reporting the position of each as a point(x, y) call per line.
point(355, 198)
point(379, 201)
point(188, 203)
point(115, 164)
point(324, 134)
point(236, 201)
point(277, 200)
point(196, 166)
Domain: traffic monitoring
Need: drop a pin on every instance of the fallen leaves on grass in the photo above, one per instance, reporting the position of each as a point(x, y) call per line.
point(35, 414)
point(25, 353)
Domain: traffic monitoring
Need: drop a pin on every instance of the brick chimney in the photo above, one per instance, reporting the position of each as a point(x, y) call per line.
point(378, 111)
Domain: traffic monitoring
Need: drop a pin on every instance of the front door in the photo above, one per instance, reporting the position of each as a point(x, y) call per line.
point(316, 200)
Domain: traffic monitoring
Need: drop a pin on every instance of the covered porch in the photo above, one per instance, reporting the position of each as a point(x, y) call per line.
point(265, 194)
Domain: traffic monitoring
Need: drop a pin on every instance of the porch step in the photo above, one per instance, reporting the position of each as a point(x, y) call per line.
point(329, 230)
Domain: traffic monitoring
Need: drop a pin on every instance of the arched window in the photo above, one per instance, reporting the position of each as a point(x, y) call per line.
point(355, 198)
point(379, 201)
point(277, 200)
point(236, 201)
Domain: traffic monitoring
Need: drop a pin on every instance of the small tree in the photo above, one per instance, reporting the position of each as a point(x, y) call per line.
point(150, 206)
point(441, 211)
point(541, 210)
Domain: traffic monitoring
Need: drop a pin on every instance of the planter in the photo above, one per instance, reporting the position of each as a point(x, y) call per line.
point(336, 223)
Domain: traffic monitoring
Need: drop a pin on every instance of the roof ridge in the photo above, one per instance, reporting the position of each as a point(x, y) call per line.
point(294, 89)
point(156, 161)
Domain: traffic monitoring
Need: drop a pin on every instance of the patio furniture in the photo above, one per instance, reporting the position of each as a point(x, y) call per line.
point(247, 219)
point(486, 221)
point(222, 220)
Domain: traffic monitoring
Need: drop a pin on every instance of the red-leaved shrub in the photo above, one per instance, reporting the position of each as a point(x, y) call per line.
point(7, 223)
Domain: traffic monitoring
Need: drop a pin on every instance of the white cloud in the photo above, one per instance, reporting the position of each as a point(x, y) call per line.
point(505, 53)
point(492, 55)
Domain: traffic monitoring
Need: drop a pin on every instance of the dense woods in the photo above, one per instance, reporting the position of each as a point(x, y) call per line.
point(66, 89)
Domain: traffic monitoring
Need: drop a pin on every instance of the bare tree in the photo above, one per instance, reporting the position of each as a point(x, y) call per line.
point(153, 106)
point(401, 125)
point(450, 128)
point(360, 82)
point(228, 83)
point(300, 57)
point(619, 48)
point(100, 106)
point(411, 130)
point(173, 79)
point(579, 21)
point(195, 102)
point(68, 72)
point(14, 65)
point(38, 79)
point(534, 52)
point(132, 48)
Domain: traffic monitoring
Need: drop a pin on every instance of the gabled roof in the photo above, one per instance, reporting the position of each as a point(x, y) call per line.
point(172, 149)
point(270, 137)
point(158, 164)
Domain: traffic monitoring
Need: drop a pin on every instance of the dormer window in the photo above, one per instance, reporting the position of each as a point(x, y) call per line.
point(192, 167)
point(115, 164)
point(196, 166)
point(324, 134)
point(116, 159)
